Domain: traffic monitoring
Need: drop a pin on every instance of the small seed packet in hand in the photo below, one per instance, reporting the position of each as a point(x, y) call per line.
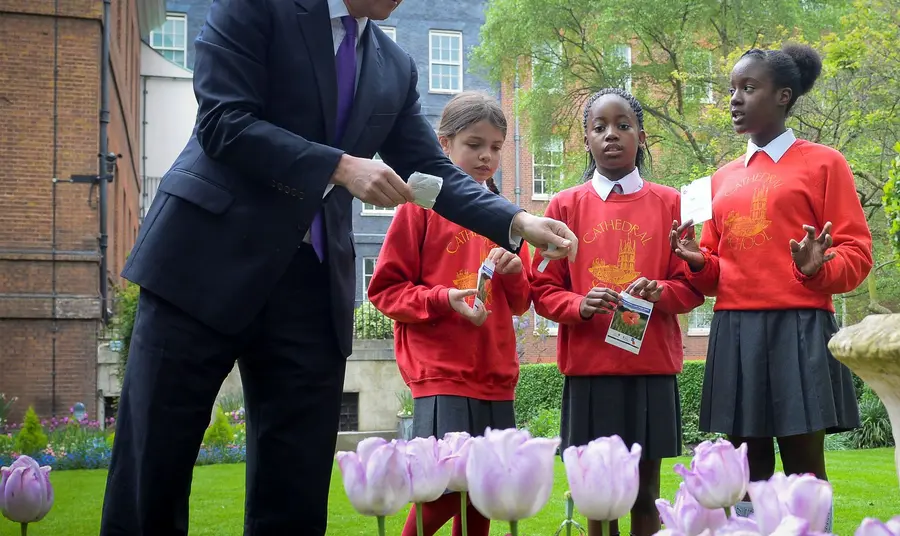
point(425, 188)
point(485, 274)
point(696, 201)
point(629, 323)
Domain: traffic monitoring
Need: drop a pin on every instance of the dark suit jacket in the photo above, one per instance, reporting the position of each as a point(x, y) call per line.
point(233, 209)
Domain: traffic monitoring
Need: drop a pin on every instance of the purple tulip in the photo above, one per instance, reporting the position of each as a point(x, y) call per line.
point(429, 470)
point(802, 496)
point(376, 476)
point(874, 527)
point(26, 494)
point(455, 445)
point(737, 526)
point(603, 477)
point(719, 474)
point(510, 474)
point(688, 516)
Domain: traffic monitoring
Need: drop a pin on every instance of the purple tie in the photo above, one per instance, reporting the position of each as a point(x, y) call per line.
point(345, 65)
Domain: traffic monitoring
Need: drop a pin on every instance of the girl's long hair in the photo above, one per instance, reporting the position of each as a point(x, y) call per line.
point(468, 108)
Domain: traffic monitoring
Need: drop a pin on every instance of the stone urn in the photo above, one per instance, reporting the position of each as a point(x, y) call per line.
point(871, 349)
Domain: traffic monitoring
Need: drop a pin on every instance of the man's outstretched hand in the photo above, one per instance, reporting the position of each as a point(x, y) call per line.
point(371, 181)
point(540, 232)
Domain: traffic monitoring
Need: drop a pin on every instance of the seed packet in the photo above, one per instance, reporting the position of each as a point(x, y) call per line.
point(425, 188)
point(485, 274)
point(629, 323)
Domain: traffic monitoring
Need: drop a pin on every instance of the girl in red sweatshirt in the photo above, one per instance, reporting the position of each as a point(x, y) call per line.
point(787, 232)
point(622, 223)
point(460, 363)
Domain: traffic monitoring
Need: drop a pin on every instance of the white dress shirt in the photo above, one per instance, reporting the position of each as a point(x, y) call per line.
point(630, 183)
point(775, 148)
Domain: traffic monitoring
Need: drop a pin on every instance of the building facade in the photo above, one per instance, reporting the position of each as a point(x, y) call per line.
point(51, 259)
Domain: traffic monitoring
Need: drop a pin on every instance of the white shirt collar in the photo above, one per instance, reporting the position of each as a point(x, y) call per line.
point(775, 148)
point(338, 9)
point(630, 183)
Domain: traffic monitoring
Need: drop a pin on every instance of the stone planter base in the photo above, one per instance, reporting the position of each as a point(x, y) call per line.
point(404, 428)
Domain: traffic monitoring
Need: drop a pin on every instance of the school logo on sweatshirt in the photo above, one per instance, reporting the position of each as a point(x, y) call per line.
point(744, 231)
point(619, 274)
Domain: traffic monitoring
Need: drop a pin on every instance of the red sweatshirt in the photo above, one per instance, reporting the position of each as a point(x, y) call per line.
point(438, 351)
point(619, 240)
point(758, 209)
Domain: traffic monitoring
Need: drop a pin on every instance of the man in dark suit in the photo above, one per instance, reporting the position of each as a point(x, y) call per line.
point(247, 254)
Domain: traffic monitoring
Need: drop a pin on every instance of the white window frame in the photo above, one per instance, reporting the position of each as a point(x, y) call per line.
point(552, 327)
point(390, 31)
point(372, 210)
point(432, 62)
point(367, 276)
point(173, 16)
point(624, 52)
point(699, 330)
point(555, 146)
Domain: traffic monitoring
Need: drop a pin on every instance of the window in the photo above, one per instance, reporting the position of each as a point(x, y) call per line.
point(368, 271)
point(622, 53)
point(372, 210)
point(543, 326)
point(349, 420)
point(547, 170)
point(700, 319)
point(170, 39)
point(445, 61)
point(390, 31)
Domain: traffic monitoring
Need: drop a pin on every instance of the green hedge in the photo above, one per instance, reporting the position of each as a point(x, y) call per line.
point(539, 395)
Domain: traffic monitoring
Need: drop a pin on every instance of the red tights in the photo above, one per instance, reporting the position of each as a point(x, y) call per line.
point(436, 514)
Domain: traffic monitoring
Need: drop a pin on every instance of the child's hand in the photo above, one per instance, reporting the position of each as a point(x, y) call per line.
point(683, 241)
point(599, 300)
point(645, 289)
point(505, 262)
point(811, 254)
point(458, 303)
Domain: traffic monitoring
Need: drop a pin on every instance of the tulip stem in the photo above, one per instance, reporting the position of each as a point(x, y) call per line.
point(513, 528)
point(463, 506)
point(605, 527)
point(381, 531)
point(420, 529)
point(727, 512)
point(24, 529)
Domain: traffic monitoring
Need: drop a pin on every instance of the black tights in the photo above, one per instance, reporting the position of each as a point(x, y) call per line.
point(800, 454)
point(644, 516)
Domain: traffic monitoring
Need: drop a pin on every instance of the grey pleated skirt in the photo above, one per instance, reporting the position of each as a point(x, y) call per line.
point(770, 374)
point(640, 409)
point(439, 415)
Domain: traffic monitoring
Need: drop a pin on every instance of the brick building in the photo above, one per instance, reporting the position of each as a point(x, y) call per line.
point(50, 126)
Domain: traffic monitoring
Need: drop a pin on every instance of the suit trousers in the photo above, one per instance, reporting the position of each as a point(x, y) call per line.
point(292, 373)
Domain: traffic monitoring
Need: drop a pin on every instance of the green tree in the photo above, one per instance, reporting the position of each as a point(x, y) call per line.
point(31, 439)
point(680, 56)
point(220, 433)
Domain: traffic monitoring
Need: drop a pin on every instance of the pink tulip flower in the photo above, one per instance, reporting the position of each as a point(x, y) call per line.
point(736, 526)
point(26, 495)
point(376, 476)
point(510, 474)
point(719, 474)
point(603, 477)
point(429, 470)
point(802, 496)
point(688, 516)
point(874, 527)
point(455, 445)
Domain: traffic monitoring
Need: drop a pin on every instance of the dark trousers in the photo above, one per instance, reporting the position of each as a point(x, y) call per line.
point(292, 373)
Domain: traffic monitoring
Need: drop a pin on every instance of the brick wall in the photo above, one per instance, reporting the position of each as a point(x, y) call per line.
point(48, 353)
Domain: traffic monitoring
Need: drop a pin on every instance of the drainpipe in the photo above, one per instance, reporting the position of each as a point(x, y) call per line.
point(106, 162)
point(517, 137)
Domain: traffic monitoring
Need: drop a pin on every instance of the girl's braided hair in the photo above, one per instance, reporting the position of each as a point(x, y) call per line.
point(638, 111)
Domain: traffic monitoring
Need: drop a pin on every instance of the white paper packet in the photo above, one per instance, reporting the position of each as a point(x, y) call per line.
point(425, 188)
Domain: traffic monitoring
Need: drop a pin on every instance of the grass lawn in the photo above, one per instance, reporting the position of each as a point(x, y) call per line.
point(865, 484)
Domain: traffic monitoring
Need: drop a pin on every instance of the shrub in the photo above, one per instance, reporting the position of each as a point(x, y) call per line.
point(6, 444)
point(124, 321)
point(876, 431)
point(690, 386)
point(110, 439)
point(220, 434)
point(370, 323)
point(545, 424)
point(31, 439)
